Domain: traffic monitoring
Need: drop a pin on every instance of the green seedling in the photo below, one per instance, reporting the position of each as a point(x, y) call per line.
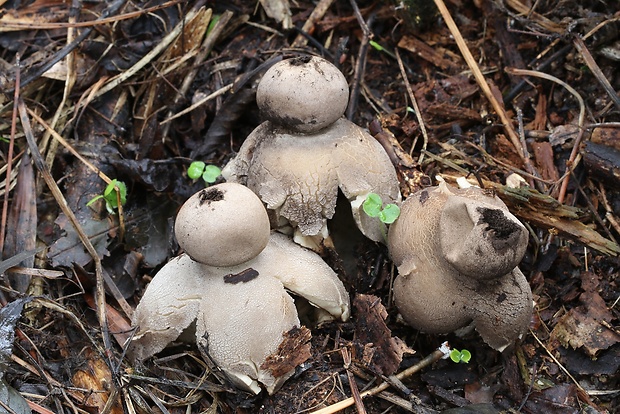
point(373, 207)
point(111, 195)
point(380, 48)
point(209, 173)
point(460, 356)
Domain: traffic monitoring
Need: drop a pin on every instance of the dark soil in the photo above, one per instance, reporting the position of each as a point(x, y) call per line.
point(114, 104)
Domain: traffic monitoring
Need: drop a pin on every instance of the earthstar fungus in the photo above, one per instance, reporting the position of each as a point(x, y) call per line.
point(305, 151)
point(240, 311)
point(457, 252)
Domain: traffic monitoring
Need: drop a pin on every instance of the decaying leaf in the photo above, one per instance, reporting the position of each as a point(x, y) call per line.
point(9, 315)
point(22, 223)
point(279, 10)
point(95, 377)
point(383, 352)
point(584, 326)
point(69, 249)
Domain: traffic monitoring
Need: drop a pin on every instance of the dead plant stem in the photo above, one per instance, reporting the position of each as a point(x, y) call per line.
point(430, 359)
point(9, 161)
point(416, 108)
point(572, 160)
point(62, 203)
point(163, 45)
point(480, 79)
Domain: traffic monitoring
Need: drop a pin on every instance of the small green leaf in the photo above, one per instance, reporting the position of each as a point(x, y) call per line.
point(109, 194)
point(460, 356)
point(372, 205)
point(376, 45)
point(389, 214)
point(211, 173)
point(195, 169)
point(213, 22)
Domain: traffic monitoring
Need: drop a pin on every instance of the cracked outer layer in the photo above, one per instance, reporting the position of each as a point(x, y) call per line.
point(298, 176)
point(240, 312)
point(457, 253)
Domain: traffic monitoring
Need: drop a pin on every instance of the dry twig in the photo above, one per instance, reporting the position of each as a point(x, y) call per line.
point(430, 359)
point(480, 79)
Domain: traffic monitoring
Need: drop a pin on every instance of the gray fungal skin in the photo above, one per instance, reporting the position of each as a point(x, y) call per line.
point(457, 252)
point(303, 94)
point(298, 177)
point(305, 151)
point(240, 312)
point(222, 225)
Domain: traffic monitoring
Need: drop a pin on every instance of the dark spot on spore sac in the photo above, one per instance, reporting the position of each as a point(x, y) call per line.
point(241, 277)
point(210, 194)
point(497, 222)
point(299, 61)
point(501, 297)
point(423, 197)
point(279, 119)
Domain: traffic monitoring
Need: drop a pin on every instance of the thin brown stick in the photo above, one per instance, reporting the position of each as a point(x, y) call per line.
point(480, 79)
point(572, 160)
point(62, 203)
point(308, 27)
point(568, 374)
point(9, 161)
point(355, 392)
point(596, 70)
point(416, 108)
point(360, 65)
point(430, 359)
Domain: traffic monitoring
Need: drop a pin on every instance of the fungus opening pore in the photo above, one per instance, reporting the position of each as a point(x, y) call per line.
point(302, 60)
point(209, 195)
point(497, 222)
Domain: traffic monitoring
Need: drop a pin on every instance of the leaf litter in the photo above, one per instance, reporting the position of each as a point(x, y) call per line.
point(107, 77)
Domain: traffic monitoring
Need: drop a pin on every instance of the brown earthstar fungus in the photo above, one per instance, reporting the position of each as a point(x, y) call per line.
point(305, 151)
point(457, 252)
point(238, 307)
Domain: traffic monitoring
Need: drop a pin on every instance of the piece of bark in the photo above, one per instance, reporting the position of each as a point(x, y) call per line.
point(543, 155)
point(606, 136)
point(384, 353)
point(292, 351)
point(603, 162)
point(424, 51)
